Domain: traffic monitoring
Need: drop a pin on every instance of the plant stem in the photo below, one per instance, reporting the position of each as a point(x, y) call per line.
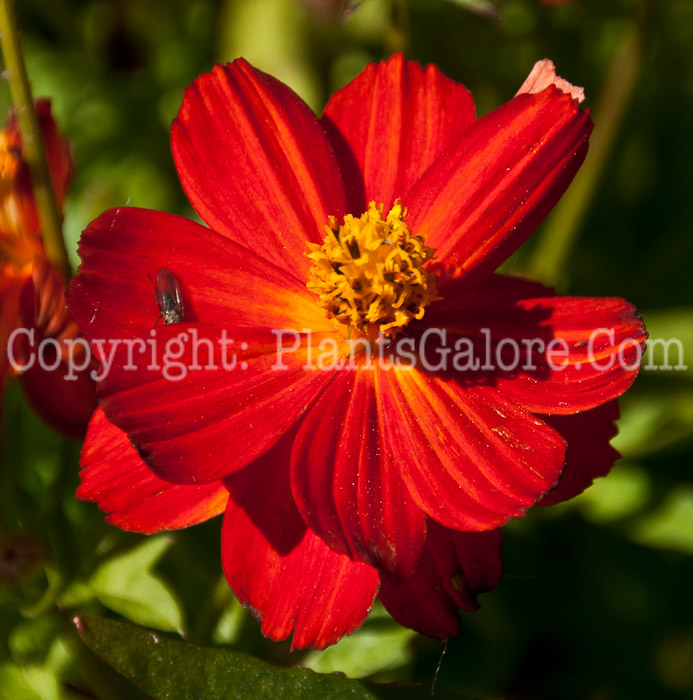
point(32, 141)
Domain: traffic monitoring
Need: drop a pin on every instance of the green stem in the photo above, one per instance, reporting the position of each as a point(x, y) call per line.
point(558, 237)
point(32, 141)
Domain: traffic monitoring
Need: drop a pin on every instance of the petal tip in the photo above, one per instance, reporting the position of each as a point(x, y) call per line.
point(542, 75)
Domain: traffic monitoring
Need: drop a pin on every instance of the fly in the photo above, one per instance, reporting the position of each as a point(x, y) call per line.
point(168, 298)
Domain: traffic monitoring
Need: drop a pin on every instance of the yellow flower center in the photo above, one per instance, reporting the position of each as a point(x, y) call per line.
point(369, 273)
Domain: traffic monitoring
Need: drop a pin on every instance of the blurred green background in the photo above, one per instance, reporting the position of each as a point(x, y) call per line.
point(596, 602)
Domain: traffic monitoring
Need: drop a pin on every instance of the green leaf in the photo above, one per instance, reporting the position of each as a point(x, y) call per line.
point(669, 344)
point(173, 670)
point(126, 585)
point(27, 683)
point(30, 640)
point(379, 646)
point(655, 421)
point(623, 493)
point(670, 526)
point(279, 49)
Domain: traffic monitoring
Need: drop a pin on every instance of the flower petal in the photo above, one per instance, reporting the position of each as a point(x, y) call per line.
point(396, 119)
point(256, 164)
point(470, 458)
point(542, 75)
point(494, 291)
point(345, 483)
point(122, 250)
point(20, 217)
point(281, 568)
point(198, 411)
point(480, 200)
point(550, 354)
point(57, 151)
point(115, 477)
point(605, 340)
point(589, 454)
point(57, 382)
point(10, 292)
point(455, 567)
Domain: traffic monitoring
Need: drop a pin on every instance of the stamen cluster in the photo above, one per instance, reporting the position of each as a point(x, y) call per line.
point(369, 273)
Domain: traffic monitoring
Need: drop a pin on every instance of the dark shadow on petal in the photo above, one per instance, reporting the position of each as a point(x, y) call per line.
point(263, 491)
point(351, 172)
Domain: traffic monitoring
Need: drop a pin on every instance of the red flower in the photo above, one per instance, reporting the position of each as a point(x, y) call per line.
point(337, 480)
point(32, 292)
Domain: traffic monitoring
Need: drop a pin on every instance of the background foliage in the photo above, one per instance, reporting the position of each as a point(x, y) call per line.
point(595, 602)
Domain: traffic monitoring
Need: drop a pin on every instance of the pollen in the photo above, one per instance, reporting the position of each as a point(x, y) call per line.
point(369, 273)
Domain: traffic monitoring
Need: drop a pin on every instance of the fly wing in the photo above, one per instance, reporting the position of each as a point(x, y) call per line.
point(168, 296)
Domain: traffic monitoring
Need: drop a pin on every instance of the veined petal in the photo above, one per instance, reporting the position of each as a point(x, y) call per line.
point(604, 342)
point(198, 407)
point(115, 478)
point(256, 164)
point(480, 200)
point(281, 568)
point(396, 119)
point(221, 282)
point(550, 354)
point(470, 458)
point(589, 454)
point(346, 484)
point(455, 567)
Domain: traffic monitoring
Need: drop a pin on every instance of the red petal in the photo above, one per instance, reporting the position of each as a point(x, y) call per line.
point(122, 250)
point(494, 292)
point(347, 487)
point(199, 425)
point(589, 454)
point(256, 164)
point(551, 355)
point(57, 383)
point(397, 118)
point(455, 567)
point(605, 340)
point(492, 189)
point(57, 151)
point(115, 477)
point(64, 400)
point(471, 459)
point(10, 291)
point(279, 567)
